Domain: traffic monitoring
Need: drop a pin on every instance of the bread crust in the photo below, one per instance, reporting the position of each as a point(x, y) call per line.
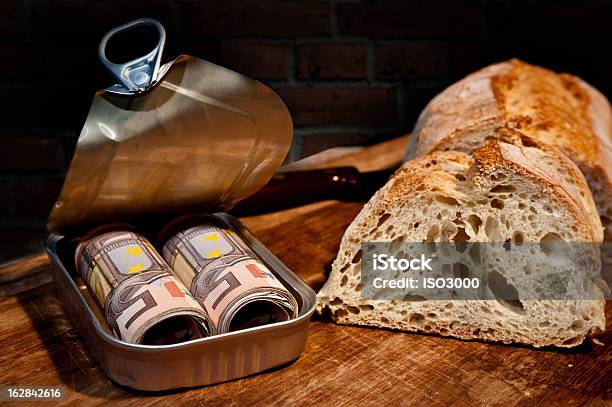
point(442, 170)
point(546, 170)
point(560, 110)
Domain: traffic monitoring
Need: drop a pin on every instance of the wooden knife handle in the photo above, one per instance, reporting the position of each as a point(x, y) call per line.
point(291, 189)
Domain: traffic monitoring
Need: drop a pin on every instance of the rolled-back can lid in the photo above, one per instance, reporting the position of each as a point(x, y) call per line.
point(202, 138)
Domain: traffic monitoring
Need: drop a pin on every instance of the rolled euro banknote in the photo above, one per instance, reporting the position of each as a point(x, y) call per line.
point(142, 301)
point(235, 288)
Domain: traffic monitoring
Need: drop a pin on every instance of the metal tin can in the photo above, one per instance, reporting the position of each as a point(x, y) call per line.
point(198, 362)
point(180, 137)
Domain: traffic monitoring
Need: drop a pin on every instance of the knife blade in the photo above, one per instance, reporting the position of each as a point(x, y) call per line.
point(290, 189)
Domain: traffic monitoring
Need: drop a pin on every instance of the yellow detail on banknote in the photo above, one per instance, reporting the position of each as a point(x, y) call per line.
point(134, 251)
point(235, 288)
point(211, 236)
point(135, 268)
point(214, 253)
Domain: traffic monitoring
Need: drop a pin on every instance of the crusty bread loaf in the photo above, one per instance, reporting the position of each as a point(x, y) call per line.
point(561, 110)
point(501, 192)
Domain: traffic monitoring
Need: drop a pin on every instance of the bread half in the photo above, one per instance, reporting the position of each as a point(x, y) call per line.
point(503, 192)
point(560, 110)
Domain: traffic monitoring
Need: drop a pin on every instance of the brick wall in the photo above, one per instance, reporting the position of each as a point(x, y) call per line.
point(351, 72)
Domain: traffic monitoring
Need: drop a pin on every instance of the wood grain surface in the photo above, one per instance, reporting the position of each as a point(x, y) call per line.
point(341, 365)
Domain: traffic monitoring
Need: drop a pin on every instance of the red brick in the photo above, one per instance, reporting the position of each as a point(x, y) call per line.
point(80, 64)
point(13, 21)
point(414, 60)
point(467, 58)
point(340, 105)
point(422, 19)
point(35, 198)
point(537, 19)
point(19, 241)
point(43, 107)
point(331, 61)
point(258, 18)
point(257, 60)
point(89, 21)
point(589, 59)
point(201, 48)
point(415, 100)
point(22, 63)
point(314, 143)
point(5, 198)
point(30, 154)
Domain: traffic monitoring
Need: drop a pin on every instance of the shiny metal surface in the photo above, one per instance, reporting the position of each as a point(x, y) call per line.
point(200, 362)
point(200, 140)
point(138, 74)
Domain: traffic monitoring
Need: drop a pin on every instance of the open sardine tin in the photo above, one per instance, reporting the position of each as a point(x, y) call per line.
point(199, 138)
point(203, 137)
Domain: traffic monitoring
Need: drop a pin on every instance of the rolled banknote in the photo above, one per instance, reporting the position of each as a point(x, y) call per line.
point(235, 288)
point(142, 301)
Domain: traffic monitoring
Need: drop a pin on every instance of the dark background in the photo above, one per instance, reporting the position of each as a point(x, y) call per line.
point(351, 72)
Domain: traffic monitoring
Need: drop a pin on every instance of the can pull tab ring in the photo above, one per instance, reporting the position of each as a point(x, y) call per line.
point(140, 73)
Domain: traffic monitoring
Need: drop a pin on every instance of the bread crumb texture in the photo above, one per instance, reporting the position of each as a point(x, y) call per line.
point(519, 190)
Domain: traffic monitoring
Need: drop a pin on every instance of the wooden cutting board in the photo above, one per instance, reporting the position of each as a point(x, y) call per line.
point(341, 365)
